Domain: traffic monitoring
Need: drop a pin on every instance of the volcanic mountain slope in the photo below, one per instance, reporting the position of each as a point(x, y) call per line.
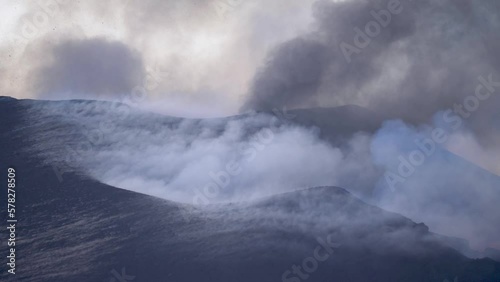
point(157, 150)
point(335, 125)
point(83, 230)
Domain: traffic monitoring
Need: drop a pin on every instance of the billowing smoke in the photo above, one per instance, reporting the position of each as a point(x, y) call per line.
point(208, 48)
point(89, 68)
point(406, 58)
point(427, 182)
point(197, 161)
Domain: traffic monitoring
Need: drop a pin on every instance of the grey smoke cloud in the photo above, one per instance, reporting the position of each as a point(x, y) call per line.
point(210, 48)
point(89, 68)
point(291, 77)
point(425, 59)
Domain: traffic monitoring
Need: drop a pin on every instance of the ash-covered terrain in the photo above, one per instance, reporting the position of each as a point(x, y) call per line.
point(73, 227)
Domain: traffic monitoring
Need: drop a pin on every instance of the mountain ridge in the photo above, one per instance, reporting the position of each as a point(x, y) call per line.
point(89, 229)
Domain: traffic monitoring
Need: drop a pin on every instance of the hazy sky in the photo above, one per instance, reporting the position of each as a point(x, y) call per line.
point(206, 51)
